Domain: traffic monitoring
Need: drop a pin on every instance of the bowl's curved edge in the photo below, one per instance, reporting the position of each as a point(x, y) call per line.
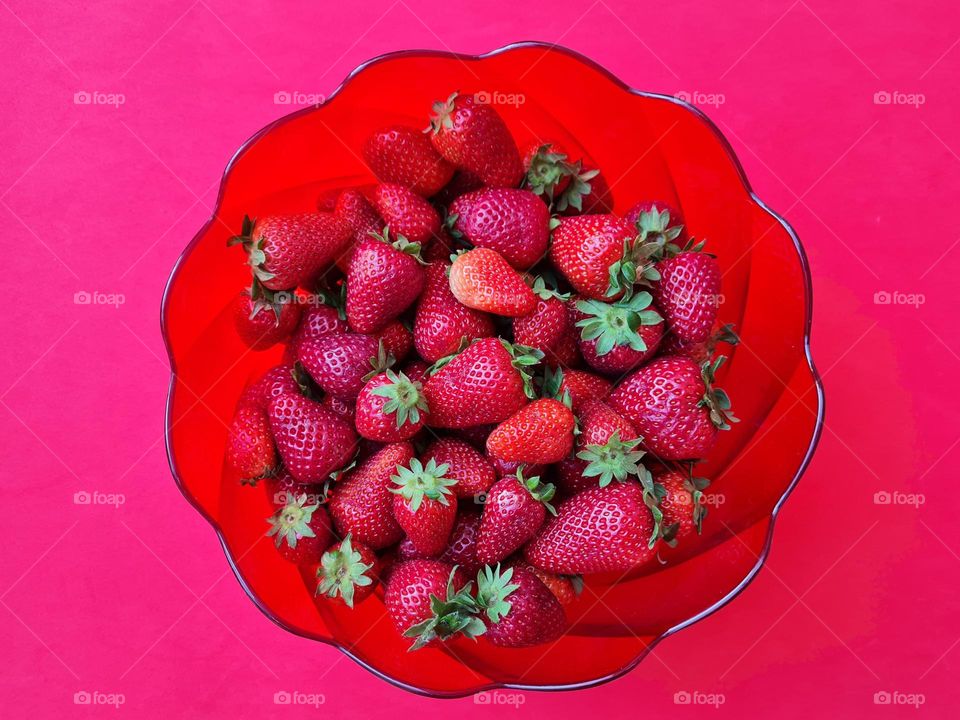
point(818, 384)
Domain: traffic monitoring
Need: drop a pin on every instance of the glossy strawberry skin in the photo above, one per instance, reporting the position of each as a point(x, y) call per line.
point(397, 340)
point(688, 293)
point(338, 363)
point(511, 516)
point(250, 449)
point(598, 530)
point(473, 472)
point(429, 526)
point(264, 329)
point(662, 399)
point(373, 423)
point(565, 354)
point(545, 327)
point(411, 584)
point(442, 321)
point(405, 156)
point(479, 386)
point(382, 282)
point(513, 222)
point(274, 382)
point(310, 549)
point(362, 504)
point(535, 616)
point(562, 587)
point(583, 386)
point(677, 504)
point(318, 321)
point(505, 468)
point(406, 213)
point(584, 248)
point(461, 549)
point(299, 247)
point(483, 280)
point(362, 217)
point(312, 440)
point(540, 432)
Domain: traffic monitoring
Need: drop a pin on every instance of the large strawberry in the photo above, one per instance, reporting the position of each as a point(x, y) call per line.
point(424, 505)
point(541, 432)
point(250, 449)
point(472, 471)
point(361, 503)
point(442, 323)
point(301, 530)
point(287, 251)
point(483, 280)
point(521, 610)
point(545, 327)
point(513, 222)
point(348, 572)
point(340, 364)
point(390, 408)
point(688, 292)
point(405, 156)
point(486, 383)
point(672, 403)
point(312, 440)
point(264, 318)
point(472, 136)
point(574, 387)
point(406, 213)
point(603, 529)
point(385, 277)
point(617, 337)
point(514, 510)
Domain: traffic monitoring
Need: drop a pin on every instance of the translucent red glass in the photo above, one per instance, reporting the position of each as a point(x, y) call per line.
point(648, 146)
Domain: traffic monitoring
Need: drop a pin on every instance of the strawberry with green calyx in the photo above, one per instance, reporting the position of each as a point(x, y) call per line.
point(521, 610)
point(422, 504)
point(474, 474)
point(341, 364)
point(514, 510)
point(607, 445)
point(264, 317)
point(655, 228)
point(566, 186)
point(301, 530)
point(616, 459)
point(540, 432)
point(617, 337)
point(716, 399)
point(347, 571)
point(573, 387)
point(390, 407)
point(250, 449)
point(682, 504)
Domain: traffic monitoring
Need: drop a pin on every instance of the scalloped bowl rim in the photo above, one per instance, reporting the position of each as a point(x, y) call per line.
point(808, 293)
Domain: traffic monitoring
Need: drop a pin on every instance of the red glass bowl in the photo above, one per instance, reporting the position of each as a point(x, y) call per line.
point(648, 146)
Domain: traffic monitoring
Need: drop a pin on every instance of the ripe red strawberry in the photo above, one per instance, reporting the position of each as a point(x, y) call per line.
point(390, 408)
point(405, 156)
point(547, 325)
point(339, 364)
point(320, 320)
point(598, 530)
point(274, 382)
point(673, 405)
point(688, 292)
point(682, 504)
point(429, 601)
point(565, 354)
point(416, 370)
point(486, 383)
point(385, 277)
point(348, 572)
point(397, 340)
point(361, 503)
point(473, 137)
point(702, 351)
point(541, 432)
point(505, 468)
point(344, 408)
point(442, 322)
point(566, 186)
point(266, 319)
point(513, 222)
point(287, 251)
point(472, 471)
point(521, 610)
point(462, 183)
point(515, 508)
point(617, 337)
point(462, 548)
point(362, 217)
point(301, 530)
point(406, 213)
point(424, 505)
point(579, 386)
point(250, 449)
point(312, 440)
point(483, 280)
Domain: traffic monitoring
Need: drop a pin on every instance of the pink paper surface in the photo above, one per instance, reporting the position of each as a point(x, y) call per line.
point(117, 121)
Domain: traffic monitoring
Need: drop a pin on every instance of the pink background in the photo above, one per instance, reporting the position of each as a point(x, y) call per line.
point(138, 600)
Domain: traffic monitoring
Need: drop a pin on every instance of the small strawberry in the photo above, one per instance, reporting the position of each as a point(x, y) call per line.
point(348, 572)
point(288, 251)
point(312, 440)
point(682, 504)
point(264, 318)
point(671, 401)
point(340, 364)
point(546, 326)
point(362, 217)
point(397, 340)
point(406, 213)
point(521, 610)
point(617, 337)
point(390, 408)
point(603, 529)
point(405, 156)
point(513, 222)
point(688, 292)
point(250, 449)
point(702, 351)
point(514, 510)
point(462, 548)
point(442, 322)
point(301, 531)
point(566, 588)
point(483, 280)
point(485, 383)
point(541, 432)
point(472, 136)
point(422, 505)
point(472, 471)
point(385, 277)
point(361, 504)
point(579, 386)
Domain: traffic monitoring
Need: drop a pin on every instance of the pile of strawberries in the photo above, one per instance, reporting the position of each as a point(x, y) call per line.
point(492, 384)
